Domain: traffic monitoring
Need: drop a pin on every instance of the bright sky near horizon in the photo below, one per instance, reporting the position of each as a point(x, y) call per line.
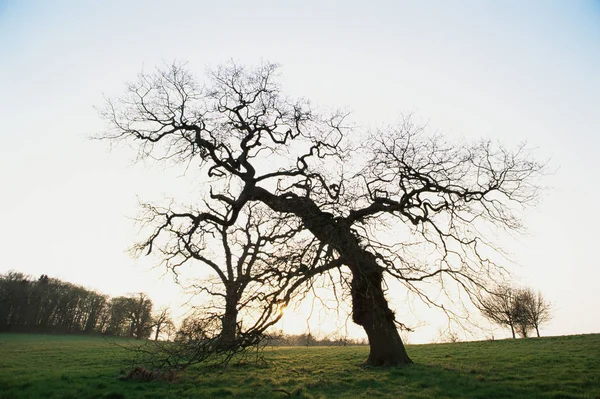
point(512, 71)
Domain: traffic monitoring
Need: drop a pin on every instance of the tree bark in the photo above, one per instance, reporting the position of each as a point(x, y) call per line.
point(229, 321)
point(370, 310)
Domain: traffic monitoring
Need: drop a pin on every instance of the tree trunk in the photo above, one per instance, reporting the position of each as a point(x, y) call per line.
point(369, 306)
point(229, 321)
point(537, 330)
point(158, 325)
point(370, 310)
point(512, 330)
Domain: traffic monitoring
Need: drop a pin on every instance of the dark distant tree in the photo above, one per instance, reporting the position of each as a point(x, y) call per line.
point(104, 318)
point(34, 303)
point(119, 323)
point(94, 308)
point(368, 199)
point(44, 290)
point(130, 316)
point(162, 321)
point(14, 297)
point(67, 312)
point(77, 312)
point(140, 315)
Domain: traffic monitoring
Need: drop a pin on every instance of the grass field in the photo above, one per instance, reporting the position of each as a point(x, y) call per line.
point(46, 366)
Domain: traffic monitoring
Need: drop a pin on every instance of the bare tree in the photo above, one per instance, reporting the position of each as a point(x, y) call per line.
point(161, 321)
point(501, 308)
point(522, 322)
point(536, 308)
point(254, 267)
point(368, 200)
point(521, 309)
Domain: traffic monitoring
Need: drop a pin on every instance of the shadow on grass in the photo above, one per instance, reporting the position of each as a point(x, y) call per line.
point(421, 380)
point(414, 381)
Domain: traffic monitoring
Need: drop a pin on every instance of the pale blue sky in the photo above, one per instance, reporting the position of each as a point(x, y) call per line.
point(508, 70)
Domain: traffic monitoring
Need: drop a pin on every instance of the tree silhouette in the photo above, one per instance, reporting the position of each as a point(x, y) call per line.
point(368, 199)
point(162, 321)
point(521, 309)
point(256, 266)
point(535, 308)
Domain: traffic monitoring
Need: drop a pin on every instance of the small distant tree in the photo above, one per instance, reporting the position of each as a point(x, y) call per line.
point(308, 339)
point(521, 309)
point(130, 316)
point(117, 317)
point(535, 308)
point(522, 322)
point(140, 315)
point(500, 308)
point(162, 322)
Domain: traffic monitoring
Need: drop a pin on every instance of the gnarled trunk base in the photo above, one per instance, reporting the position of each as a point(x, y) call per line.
point(386, 347)
point(370, 310)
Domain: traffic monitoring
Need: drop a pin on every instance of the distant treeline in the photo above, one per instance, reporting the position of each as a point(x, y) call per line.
point(49, 305)
point(282, 339)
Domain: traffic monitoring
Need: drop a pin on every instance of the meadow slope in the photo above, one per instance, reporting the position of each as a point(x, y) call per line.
point(47, 366)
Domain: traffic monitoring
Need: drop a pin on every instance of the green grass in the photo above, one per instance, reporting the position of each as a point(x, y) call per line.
point(46, 366)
